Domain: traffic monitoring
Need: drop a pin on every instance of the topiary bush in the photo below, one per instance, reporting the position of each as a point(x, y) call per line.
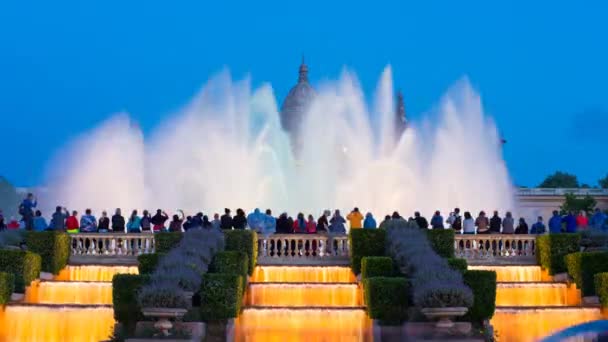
point(601, 288)
point(458, 264)
point(376, 267)
point(125, 288)
point(583, 266)
point(483, 285)
point(232, 262)
point(166, 241)
point(7, 287)
point(442, 241)
point(551, 249)
point(386, 299)
point(363, 243)
point(146, 263)
point(52, 246)
point(24, 265)
point(243, 241)
point(221, 296)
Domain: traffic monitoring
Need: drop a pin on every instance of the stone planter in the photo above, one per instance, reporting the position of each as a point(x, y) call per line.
point(445, 315)
point(163, 324)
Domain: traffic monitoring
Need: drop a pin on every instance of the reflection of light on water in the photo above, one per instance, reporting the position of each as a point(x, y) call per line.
point(515, 273)
point(536, 294)
point(302, 274)
point(317, 295)
point(93, 273)
point(60, 292)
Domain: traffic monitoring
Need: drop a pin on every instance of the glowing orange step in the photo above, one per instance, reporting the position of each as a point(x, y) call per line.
point(68, 292)
point(303, 274)
point(304, 295)
point(537, 294)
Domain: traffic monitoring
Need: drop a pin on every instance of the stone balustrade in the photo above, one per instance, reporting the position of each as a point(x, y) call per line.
point(488, 248)
point(112, 244)
point(302, 249)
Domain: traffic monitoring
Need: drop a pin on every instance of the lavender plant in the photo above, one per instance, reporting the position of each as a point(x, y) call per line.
point(162, 294)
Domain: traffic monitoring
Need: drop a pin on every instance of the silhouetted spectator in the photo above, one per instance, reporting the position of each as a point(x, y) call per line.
point(386, 221)
point(555, 223)
point(26, 210)
point(215, 223)
point(58, 219)
point(437, 220)
point(134, 223)
point(118, 222)
point(226, 220)
point(421, 221)
point(538, 227)
point(482, 223)
point(299, 225)
point(146, 222)
point(468, 225)
point(104, 223)
point(39, 222)
point(206, 224)
point(176, 223)
point(323, 223)
point(508, 224)
point(239, 221)
point(495, 223)
point(570, 221)
point(522, 227)
point(336, 224)
point(270, 223)
point(158, 221)
point(283, 226)
point(369, 222)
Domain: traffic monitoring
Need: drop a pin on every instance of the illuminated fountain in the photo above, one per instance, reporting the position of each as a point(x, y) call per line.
point(93, 272)
point(69, 292)
point(303, 303)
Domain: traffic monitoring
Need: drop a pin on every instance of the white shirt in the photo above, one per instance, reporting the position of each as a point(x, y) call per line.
point(468, 226)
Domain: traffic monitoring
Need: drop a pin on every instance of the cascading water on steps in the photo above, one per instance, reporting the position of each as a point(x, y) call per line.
point(69, 292)
point(56, 323)
point(93, 272)
point(303, 274)
point(300, 295)
point(536, 294)
point(524, 273)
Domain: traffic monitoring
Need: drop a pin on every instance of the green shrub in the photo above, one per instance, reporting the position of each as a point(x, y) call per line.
point(365, 242)
point(221, 296)
point(386, 298)
point(551, 249)
point(601, 288)
point(583, 266)
point(52, 246)
point(243, 241)
point(24, 265)
point(165, 241)
point(231, 262)
point(147, 262)
point(483, 285)
point(376, 267)
point(124, 297)
point(458, 264)
point(442, 241)
point(7, 286)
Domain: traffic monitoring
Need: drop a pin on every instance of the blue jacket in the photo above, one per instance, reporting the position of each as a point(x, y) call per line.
point(40, 224)
point(134, 224)
point(58, 220)
point(336, 225)
point(28, 205)
point(270, 224)
point(437, 222)
point(256, 220)
point(555, 224)
point(597, 220)
point(369, 222)
point(570, 223)
point(538, 228)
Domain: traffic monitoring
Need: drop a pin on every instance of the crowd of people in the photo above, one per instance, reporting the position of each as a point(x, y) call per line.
point(265, 223)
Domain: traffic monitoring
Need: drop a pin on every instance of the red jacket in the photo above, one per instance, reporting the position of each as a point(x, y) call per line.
point(297, 229)
point(71, 223)
point(14, 224)
point(311, 227)
point(582, 221)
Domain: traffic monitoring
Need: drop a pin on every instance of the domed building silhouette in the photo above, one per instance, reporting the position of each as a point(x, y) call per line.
point(296, 105)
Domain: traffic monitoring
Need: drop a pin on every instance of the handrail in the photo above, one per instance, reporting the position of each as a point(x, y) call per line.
point(511, 247)
point(303, 246)
point(112, 244)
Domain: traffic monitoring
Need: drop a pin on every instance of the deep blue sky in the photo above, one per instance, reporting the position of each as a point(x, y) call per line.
point(541, 66)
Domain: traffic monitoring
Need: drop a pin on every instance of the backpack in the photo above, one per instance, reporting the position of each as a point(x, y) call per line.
point(457, 225)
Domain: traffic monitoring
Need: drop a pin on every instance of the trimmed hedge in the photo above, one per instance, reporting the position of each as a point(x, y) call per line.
point(582, 267)
point(551, 249)
point(7, 286)
point(124, 298)
point(243, 241)
point(386, 299)
point(458, 264)
point(363, 243)
point(52, 246)
point(231, 262)
point(147, 262)
point(24, 265)
point(483, 285)
point(221, 296)
point(601, 287)
point(376, 267)
point(442, 241)
point(165, 241)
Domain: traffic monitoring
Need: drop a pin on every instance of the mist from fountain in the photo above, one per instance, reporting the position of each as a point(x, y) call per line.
point(227, 149)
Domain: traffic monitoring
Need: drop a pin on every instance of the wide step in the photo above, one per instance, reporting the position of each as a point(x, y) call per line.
point(536, 294)
point(303, 324)
point(68, 292)
point(303, 274)
point(304, 295)
point(527, 273)
point(531, 324)
point(93, 272)
point(55, 323)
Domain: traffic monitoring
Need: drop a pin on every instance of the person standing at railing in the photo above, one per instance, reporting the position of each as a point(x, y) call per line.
point(58, 219)
point(176, 223)
point(283, 226)
point(355, 219)
point(226, 220)
point(454, 220)
point(582, 222)
point(146, 222)
point(539, 227)
point(158, 221)
point(555, 223)
point(369, 222)
point(104, 223)
point(482, 223)
point(26, 210)
point(437, 220)
point(421, 221)
point(270, 223)
point(39, 222)
point(71, 223)
point(508, 224)
point(88, 222)
point(118, 222)
point(522, 227)
point(239, 221)
point(311, 225)
point(256, 221)
point(215, 223)
point(337, 223)
point(570, 221)
point(299, 225)
point(468, 225)
point(597, 220)
point(323, 223)
point(495, 223)
point(134, 223)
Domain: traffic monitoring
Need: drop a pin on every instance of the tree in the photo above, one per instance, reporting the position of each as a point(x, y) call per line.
point(575, 204)
point(603, 182)
point(9, 199)
point(560, 180)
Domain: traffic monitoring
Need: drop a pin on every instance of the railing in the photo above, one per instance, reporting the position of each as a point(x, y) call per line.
point(112, 244)
point(303, 247)
point(497, 247)
point(560, 192)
